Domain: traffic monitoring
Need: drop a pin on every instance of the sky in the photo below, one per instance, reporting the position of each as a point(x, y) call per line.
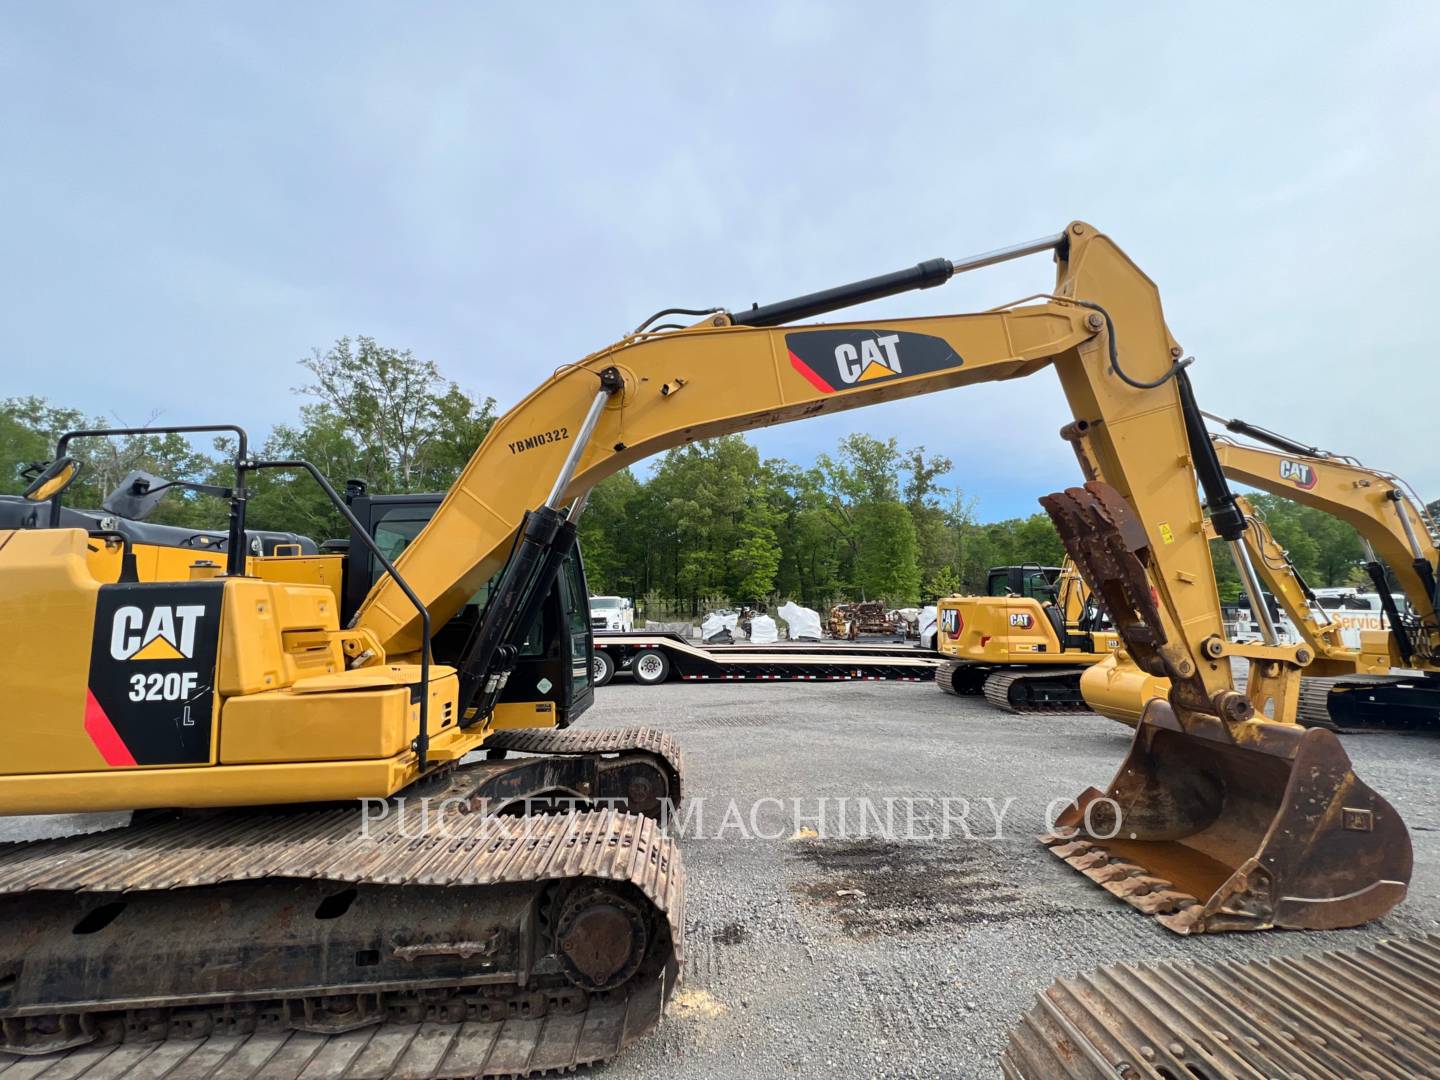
point(197, 195)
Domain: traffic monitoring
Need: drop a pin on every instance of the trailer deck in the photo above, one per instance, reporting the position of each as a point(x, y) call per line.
point(654, 657)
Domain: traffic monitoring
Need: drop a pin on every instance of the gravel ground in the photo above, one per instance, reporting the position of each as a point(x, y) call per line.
point(926, 973)
point(859, 955)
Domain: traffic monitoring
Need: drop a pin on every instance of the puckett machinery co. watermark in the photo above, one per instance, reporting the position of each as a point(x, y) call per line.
point(891, 818)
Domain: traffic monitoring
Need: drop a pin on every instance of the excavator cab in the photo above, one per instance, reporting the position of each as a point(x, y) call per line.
point(1031, 579)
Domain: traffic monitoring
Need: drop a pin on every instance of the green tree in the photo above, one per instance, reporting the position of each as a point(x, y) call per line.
point(928, 501)
point(381, 415)
point(411, 427)
point(864, 469)
point(811, 551)
point(945, 582)
point(878, 503)
point(710, 515)
point(886, 566)
point(607, 541)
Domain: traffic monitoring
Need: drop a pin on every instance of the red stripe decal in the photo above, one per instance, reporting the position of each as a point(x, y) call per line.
point(809, 373)
point(103, 734)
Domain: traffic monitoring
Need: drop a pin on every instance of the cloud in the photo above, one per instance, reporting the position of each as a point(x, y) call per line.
point(200, 197)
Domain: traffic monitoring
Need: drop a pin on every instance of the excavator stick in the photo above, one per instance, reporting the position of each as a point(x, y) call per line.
point(1216, 821)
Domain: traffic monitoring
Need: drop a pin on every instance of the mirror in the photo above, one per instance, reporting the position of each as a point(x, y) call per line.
point(138, 494)
point(52, 479)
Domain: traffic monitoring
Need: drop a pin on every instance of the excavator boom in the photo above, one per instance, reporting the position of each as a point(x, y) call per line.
point(1359, 689)
point(1395, 528)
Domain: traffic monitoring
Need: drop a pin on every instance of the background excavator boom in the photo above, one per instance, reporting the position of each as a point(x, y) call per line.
point(1395, 528)
point(1344, 688)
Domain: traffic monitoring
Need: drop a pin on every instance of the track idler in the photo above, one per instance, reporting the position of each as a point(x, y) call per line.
point(1240, 827)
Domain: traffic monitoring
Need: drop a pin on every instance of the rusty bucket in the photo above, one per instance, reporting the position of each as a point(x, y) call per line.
point(1240, 827)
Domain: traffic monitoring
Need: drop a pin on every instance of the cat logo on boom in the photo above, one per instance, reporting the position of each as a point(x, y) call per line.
point(1298, 473)
point(871, 358)
point(834, 360)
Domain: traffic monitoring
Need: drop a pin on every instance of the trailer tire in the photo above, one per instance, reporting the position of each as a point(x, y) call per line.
point(650, 667)
point(603, 670)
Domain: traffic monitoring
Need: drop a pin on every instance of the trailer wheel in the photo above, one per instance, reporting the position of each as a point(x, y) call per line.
point(603, 670)
point(650, 667)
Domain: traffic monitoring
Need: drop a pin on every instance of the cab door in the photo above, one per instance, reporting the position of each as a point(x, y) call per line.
point(576, 600)
point(556, 659)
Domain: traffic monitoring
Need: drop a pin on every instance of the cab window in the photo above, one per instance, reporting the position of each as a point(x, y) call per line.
point(395, 530)
point(577, 614)
point(1036, 584)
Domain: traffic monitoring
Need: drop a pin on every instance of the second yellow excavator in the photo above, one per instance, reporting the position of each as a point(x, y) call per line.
point(273, 879)
point(1025, 644)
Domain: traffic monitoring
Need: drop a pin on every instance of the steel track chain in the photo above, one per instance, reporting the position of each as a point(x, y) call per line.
point(999, 690)
point(1368, 1011)
point(945, 676)
point(493, 1031)
point(1314, 707)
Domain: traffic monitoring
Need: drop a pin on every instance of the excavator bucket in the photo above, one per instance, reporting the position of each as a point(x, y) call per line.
point(1214, 825)
point(1246, 828)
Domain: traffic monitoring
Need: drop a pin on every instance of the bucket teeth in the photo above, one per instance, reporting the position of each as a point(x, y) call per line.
point(1189, 920)
point(1128, 881)
point(1065, 846)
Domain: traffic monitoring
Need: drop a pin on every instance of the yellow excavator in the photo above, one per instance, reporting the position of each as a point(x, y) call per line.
point(1026, 643)
point(275, 878)
point(1391, 682)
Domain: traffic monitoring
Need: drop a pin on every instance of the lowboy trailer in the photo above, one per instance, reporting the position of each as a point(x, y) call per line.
point(655, 657)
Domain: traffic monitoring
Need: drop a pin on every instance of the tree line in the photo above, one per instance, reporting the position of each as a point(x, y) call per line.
point(705, 525)
point(368, 412)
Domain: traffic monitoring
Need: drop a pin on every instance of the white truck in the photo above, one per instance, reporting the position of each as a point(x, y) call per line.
point(1354, 610)
point(611, 613)
point(1357, 611)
